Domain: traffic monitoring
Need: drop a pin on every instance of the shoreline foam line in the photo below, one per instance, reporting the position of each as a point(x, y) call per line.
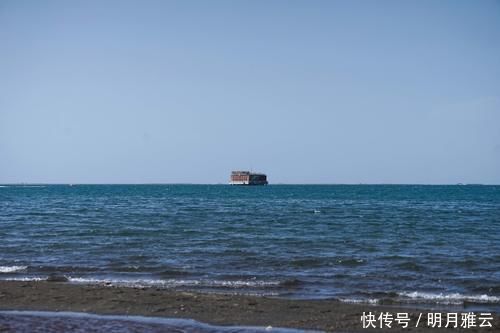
point(12, 269)
point(258, 288)
point(212, 308)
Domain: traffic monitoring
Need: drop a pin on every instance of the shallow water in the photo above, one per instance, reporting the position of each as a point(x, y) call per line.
point(405, 244)
point(55, 322)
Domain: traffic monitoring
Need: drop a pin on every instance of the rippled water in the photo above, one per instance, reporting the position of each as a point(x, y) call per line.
point(365, 243)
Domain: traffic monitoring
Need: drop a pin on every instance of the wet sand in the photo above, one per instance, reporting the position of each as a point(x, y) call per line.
point(216, 309)
point(57, 322)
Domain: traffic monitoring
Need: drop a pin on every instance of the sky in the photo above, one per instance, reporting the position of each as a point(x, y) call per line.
point(305, 91)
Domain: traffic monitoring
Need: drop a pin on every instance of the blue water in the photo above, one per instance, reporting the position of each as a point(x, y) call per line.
point(358, 243)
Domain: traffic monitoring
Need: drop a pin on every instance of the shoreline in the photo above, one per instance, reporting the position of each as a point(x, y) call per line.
point(215, 309)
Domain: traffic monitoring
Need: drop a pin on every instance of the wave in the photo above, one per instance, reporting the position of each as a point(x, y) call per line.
point(410, 266)
point(67, 269)
point(351, 262)
point(174, 272)
point(12, 269)
point(417, 297)
point(454, 298)
point(290, 283)
point(246, 286)
point(309, 262)
point(172, 283)
point(240, 283)
point(26, 279)
point(359, 301)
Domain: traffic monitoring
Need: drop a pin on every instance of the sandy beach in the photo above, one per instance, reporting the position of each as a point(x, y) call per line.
point(217, 309)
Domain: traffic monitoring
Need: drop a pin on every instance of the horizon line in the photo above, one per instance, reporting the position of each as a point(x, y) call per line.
point(280, 184)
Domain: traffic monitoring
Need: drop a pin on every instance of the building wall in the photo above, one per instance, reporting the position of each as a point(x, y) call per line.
point(240, 178)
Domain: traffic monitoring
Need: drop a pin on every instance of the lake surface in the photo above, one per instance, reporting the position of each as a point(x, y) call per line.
point(357, 243)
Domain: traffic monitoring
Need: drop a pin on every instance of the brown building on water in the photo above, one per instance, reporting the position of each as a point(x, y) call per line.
point(247, 178)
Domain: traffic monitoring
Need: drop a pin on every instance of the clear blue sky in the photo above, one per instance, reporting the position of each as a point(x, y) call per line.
point(306, 91)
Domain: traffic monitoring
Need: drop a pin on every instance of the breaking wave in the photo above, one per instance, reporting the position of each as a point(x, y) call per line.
point(12, 269)
point(26, 279)
point(417, 297)
point(173, 283)
point(454, 298)
point(359, 301)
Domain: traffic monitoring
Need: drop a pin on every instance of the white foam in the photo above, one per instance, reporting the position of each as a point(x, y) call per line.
point(25, 279)
point(359, 301)
point(175, 282)
point(454, 298)
point(12, 269)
